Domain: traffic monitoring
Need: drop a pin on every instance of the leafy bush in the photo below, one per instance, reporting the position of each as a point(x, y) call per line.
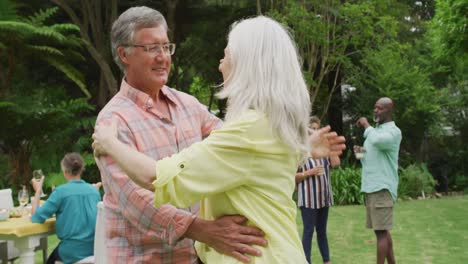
point(414, 180)
point(346, 184)
point(459, 183)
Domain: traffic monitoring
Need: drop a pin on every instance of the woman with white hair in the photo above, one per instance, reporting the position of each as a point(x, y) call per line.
point(246, 167)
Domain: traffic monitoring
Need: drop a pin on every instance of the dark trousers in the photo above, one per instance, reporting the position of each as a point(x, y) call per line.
point(53, 257)
point(315, 219)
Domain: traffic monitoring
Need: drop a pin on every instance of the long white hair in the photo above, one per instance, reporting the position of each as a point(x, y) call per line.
point(266, 76)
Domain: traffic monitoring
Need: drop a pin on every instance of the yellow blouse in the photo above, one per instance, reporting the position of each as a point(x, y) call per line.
point(242, 168)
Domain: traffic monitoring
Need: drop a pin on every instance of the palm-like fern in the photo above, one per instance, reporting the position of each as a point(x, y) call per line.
point(24, 38)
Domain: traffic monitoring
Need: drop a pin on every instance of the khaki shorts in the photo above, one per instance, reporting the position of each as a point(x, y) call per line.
point(379, 207)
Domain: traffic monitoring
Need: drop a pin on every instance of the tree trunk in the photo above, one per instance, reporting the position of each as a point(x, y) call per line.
point(171, 17)
point(171, 6)
point(8, 77)
point(334, 111)
point(93, 21)
point(20, 164)
point(102, 92)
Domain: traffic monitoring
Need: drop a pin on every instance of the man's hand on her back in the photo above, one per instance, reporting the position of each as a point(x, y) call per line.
point(228, 235)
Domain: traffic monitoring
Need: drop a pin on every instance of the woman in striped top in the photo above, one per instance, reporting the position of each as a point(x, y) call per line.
point(315, 196)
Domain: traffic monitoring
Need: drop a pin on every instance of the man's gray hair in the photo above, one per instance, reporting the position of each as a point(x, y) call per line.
point(128, 23)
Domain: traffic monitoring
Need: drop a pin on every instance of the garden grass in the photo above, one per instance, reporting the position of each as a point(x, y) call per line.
point(425, 232)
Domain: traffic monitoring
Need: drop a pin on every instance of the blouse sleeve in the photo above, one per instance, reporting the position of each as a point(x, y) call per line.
point(220, 162)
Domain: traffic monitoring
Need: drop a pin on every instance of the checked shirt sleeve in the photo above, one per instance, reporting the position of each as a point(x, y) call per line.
point(166, 223)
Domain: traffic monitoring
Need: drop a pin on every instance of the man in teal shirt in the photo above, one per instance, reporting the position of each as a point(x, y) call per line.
point(380, 175)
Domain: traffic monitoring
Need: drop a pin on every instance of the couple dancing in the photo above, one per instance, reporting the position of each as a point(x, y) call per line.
point(245, 166)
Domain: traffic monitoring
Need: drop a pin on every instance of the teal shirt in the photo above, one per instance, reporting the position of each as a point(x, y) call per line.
point(75, 207)
point(380, 162)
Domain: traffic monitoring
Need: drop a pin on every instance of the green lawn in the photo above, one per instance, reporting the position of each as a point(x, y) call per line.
point(429, 231)
point(425, 232)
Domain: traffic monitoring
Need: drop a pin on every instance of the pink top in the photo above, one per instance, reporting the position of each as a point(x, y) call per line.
point(137, 232)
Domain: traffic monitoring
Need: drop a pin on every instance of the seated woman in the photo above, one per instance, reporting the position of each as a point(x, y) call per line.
point(247, 167)
point(75, 207)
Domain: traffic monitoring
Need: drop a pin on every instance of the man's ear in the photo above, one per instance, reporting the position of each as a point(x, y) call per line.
point(122, 54)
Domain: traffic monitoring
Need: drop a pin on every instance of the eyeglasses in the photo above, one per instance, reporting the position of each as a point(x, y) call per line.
point(155, 49)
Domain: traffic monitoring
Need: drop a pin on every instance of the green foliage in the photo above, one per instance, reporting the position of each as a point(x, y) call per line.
point(391, 71)
point(52, 180)
point(346, 185)
point(71, 72)
point(7, 10)
point(459, 183)
point(332, 35)
point(41, 16)
point(4, 172)
point(448, 37)
point(202, 91)
point(449, 33)
point(48, 122)
point(29, 38)
point(415, 180)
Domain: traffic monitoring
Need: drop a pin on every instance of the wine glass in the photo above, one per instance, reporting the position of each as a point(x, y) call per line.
point(37, 175)
point(359, 152)
point(23, 198)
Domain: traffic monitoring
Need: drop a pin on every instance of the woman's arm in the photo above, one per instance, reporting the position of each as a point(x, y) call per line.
point(335, 161)
point(37, 186)
point(139, 167)
point(300, 176)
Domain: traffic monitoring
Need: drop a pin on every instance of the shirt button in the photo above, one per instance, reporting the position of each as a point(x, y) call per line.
point(182, 166)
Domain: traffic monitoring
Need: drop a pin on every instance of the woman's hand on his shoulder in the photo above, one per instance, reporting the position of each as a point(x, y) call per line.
point(103, 136)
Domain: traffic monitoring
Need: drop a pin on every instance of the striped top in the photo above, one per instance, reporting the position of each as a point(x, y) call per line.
point(315, 191)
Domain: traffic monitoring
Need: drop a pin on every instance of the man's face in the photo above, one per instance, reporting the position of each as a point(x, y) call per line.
point(381, 112)
point(147, 71)
point(225, 64)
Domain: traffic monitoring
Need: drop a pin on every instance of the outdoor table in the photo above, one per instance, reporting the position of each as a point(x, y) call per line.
point(25, 235)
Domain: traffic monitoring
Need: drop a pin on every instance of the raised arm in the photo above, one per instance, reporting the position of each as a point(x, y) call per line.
point(326, 143)
point(335, 161)
point(37, 186)
point(300, 176)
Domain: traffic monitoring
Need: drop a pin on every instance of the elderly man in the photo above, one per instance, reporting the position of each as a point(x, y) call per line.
point(159, 121)
point(380, 175)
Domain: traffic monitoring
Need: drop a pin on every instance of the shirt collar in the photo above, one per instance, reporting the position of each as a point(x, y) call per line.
point(387, 124)
point(76, 181)
point(143, 99)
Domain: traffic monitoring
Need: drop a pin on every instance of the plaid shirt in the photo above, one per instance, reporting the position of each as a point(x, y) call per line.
point(136, 231)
